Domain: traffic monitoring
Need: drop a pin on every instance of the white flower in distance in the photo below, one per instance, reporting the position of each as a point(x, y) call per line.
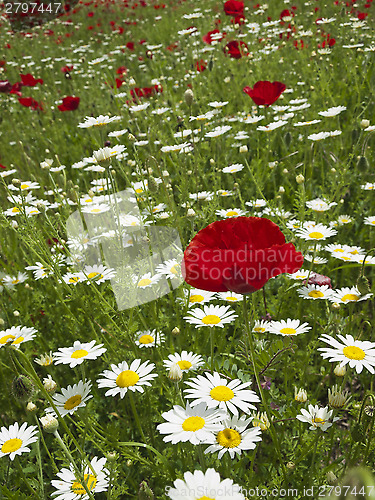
point(230, 296)
point(369, 221)
point(69, 486)
point(16, 335)
point(288, 327)
point(198, 296)
point(346, 294)
point(24, 186)
point(232, 169)
point(220, 130)
point(76, 354)
point(220, 392)
point(315, 232)
point(100, 121)
point(358, 353)
point(123, 377)
point(149, 338)
point(314, 292)
point(319, 205)
point(15, 439)
point(98, 273)
point(317, 417)
point(170, 268)
point(272, 126)
point(205, 485)
point(96, 208)
point(229, 214)
point(72, 398)
point(234, 437)
point(323, 135)
point(147, 280)
point(186, 361)
point(332, 111)
point(195, 425)
point(211, 316)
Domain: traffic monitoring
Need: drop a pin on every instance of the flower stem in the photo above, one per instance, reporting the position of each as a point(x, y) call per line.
point(252, 356)
point(212, 349)
point(136, 416)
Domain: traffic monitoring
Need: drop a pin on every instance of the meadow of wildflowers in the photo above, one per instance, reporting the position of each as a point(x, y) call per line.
point(186, 247)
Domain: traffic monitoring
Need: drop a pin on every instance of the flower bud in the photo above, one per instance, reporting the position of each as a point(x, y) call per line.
point(2, 322)
point(23, 388)
point(49, 423)
point(31, 407)
point(16, 313)
point(189, 97)
point(190, 212)
point(363, 285)
point(212, 161)
point(339, 371)
point(300, 395)
point(112, 456)
point(145, 492)
point(131, 137)
point(243, 149)
point(49, 384)
point(365, 123)
point(291, 465)
point(152, 184)
point(176, 331)
point(16, 182)
point(288, 139)
point(175, 373)
point(331, 477)
point(281, 189)
point(300, 179)
point(362, 164)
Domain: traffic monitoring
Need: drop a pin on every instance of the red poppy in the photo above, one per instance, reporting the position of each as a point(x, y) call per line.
point(239, 255)
point(5, 86)
point(29, 102)
point(67, 68)
point(265, 93)
point(200, 65)
point(69, 103)
point(236, 49)
point(234, 8)
point(208, 38)
point(29, 81)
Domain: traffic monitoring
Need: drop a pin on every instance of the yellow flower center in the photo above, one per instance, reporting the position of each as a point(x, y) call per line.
point(205, 498)
point(146, 339)
point(316, 235)
point(127, 378)
point(11, 445)
point(79, 353)
point(184, 365)
point(74, 279)
point(300, 276)
point(193, 424)
point(231, 213)
point(18, 340)
point(15, 210)
point(14, 282)
point(196, 298)
point(288, 331)
point(73, 402)
point(221, 393)
point(95, 210)
point(211, 319)
point(173, 269)
point(353, 352)
point(139, 190)
point(349, 297)
point(24, 186)
point(231, 298)
point(94, 275)
point(259, 329)
point(318, 420)
point(228, 438)
point(223, 193)
point(315, 294)
point(5, 339)
point(144, 282)
point(90, 481)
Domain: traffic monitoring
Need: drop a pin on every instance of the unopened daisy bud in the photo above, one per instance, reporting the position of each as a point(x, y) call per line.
point(189, 97)
point(236, 186)
point(91, 193)
point(300, 395)
point(272, 164)
point(31, 407)
point(132, 82)
point(165, 173)
point(365, 123)
point(49, 384)
point(131, 137)
point(145, 492)
point(152, 184)
point(14, 224)
point(131, 163)
point(362, 164)
point(16, 313)
point(261, 420)
point(288, 139)
point(363, 285)
point(190, 212)
point(357, 432)
point(281, 189)
point(176, 331)
point(49, 423)
point(291, 465)
point(335, 305)
point(16, 182)
point(212, 161)
point(300, 179)
point(285, 171)
point(339, 371)
point(129, 463)
point(112, 456)
point(331, 477)
point(243, 149)
point(337, 398)
point(175, 373)
point(2, 322)
point(23, 388)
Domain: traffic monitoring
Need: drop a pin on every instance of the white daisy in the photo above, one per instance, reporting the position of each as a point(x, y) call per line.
point(204, 486)
point(315, 292)
point(24, 186)
point(211, 316)
point(146, 280)
point(76, 354)
point(317, 232)
point(256, 203)
point(347, 294)
point(186, 361)
point(100, 121)
point(369, 186)
point(170, 268)
point(288, 327)
point(123, 377)
point(260, 326)
point(14, 440)
point(96, 208)
point(149, 338)
point(332, 111)
point(302, 274)
point(369, 221)
point(198, 296)
point(358, 353)
point(316, 259)
point(317, 417)
point(74, 278)
point(11, 281)
point(230, 296)
point(234, 437)
point(232, 212)
point(272, 126)
point(195, 425)
point(98, 273)
point(16, 335)
point(319, 205)
point(72, 398)
point(216, 391)
point(69, 487)
point(232, 169)
point(220, 130)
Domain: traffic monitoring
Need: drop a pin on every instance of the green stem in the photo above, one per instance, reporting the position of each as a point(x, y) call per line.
point(136, 416)
point(212, 349)
point(25, 480)
point(252, 356)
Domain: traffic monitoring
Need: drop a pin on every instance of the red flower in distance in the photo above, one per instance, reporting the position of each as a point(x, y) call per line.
point(234, 8)
point(239, 255)
point(265, 93)
point(5, 86)
point(69, 103)
point(29, 81)
point(67, 68)
point(236, 49)
point(210, 36)
point(200, 65)
point(29, 102)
